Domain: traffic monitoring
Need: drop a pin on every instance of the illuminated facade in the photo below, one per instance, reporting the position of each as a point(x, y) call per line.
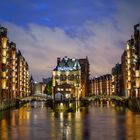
point(39, 88)
point(12, 64)
point(22, 76)
point(67, 78)
point(117, 80)
point(3, 64)
point(131, 65)
point(84, 63)
point(124, 73)
point(14, 73)
point(101, 85)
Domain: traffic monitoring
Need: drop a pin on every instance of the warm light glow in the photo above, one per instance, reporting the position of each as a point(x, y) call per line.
point(129, 85)
point(67, 73)
point(3, 74)
point(128, 54)
point(54, 73)
point(129, 72)
point(127, 46)
point(138, 73)
point(137, 83)
point(4, 42)
point(61, 116)
point(128, 61)
point(3, 81)
point(4, 60)
point(13, 88)
point(3, 52)
point(129, 78)
point(67, 96)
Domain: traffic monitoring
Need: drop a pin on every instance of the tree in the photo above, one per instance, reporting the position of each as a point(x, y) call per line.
point(48, 88)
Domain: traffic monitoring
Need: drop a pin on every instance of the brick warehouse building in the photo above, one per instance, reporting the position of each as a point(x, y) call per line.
point(70, 77)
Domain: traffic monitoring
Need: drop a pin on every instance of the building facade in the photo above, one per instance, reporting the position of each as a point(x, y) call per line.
point(101, 85)
point(131, 65)
point(31, 83)
point(117, 80)
point(67, 78)
point(84, 63)
point(14, 72)
point(22, 76)
point(124, 73)
point(39, 88)
point(3, 64)
point(12, 64)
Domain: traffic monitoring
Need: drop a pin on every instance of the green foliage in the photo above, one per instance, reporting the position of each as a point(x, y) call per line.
point(48, 88)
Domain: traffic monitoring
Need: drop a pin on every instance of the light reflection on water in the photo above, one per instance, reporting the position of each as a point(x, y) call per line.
point(97, 122)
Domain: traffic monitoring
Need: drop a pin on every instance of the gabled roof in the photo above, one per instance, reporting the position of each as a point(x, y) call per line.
point(67, 64)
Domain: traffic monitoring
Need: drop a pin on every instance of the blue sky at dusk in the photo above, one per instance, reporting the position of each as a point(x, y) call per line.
point(46, 29)
point(56, 13)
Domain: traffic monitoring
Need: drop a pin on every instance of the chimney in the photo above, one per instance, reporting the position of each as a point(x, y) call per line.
point(58, 60)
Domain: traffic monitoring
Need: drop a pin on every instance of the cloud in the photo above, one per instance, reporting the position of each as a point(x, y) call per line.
point(127, 15)
point(103, 41)
point(42, 45)
point(55, 13)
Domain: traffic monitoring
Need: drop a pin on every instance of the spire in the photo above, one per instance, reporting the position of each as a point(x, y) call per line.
point(31, 78)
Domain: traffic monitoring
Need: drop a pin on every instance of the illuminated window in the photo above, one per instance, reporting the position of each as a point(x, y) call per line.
point(137, 83)
point(128, 61)
point(129, 78)
point(129, 72)
point(3, 52)
point(137, 73)
point(129, 85)
point(3, 59)
point(128, 54)
point(3, 74)
point(4, 42)
point(3, 83)
point(127, 47)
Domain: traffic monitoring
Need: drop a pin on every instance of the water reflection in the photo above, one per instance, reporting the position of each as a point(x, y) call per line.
point(99, 121)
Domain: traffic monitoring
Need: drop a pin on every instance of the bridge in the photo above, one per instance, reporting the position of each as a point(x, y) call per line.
point(44, 97)
point(115, 99)
point(37, 97)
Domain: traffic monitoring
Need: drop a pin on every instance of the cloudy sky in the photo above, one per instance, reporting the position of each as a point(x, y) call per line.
point(46, 29)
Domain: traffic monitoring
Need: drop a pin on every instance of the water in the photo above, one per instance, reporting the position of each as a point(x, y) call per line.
point(96, 122)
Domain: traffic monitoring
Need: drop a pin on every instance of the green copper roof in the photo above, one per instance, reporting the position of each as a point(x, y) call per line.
point(67, 64)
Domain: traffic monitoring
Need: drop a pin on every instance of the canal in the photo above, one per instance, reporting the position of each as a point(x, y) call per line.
point(97, 122)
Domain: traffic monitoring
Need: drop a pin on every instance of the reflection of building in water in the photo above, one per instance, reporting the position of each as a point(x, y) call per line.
point(67, 78)
point(4, 134)
point(66, 131)
point(132, 126)
point(77, 129)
